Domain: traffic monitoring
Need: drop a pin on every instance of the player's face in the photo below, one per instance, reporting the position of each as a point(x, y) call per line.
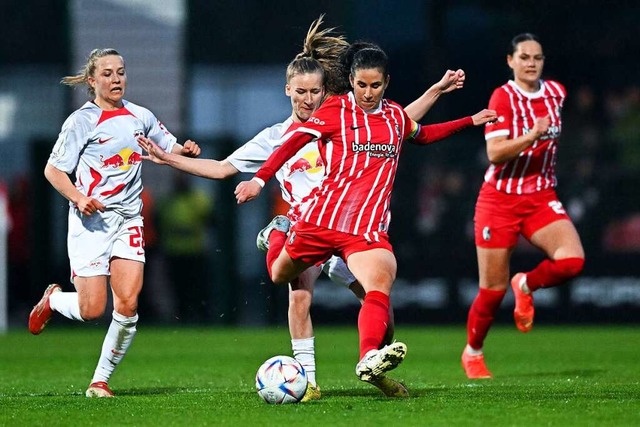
point(369, 85)
point(109, 81)
point(306, 92)
point(527, 63)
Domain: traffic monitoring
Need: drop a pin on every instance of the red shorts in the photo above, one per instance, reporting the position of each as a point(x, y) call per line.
point(501, 217)
point(312, 244)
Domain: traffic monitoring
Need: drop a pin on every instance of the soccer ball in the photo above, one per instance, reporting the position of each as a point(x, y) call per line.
point(281, 379)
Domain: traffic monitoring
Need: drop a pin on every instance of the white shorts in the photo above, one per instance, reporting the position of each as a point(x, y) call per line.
point(338, 271)
point(93, 240)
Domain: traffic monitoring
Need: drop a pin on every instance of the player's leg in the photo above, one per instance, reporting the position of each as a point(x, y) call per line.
point(376, 269)
point(493, 270)
point(559, 240)
point(127, 272)
point(126, 284)
point(561, 243)
point(89, 245)
point(336, 269)
point(301, 328)
point(548, 227)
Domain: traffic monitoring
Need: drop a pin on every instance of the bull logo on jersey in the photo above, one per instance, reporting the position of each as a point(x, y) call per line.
point(122, 160)
point(310, 162)
point(138, 133)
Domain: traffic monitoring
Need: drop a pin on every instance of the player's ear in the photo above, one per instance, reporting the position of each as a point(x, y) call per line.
point(287, 89)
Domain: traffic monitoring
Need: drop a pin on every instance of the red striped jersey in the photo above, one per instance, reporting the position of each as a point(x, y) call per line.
point(534, 168)
point(101, 148)
point(360, 152)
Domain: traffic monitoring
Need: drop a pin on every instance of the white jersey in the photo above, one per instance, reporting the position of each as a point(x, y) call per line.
point(100, 147)
point(299, 177)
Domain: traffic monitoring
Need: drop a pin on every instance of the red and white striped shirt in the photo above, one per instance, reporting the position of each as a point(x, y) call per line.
point(534, 168)
point(360, 151)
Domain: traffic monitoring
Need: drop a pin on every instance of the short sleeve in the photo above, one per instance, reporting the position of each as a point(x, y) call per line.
point(499, 102)
point(74, 135)
point(156, 131)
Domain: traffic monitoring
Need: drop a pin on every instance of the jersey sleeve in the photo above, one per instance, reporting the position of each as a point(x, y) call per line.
point(155, 130)
point(72, 139)
point(427, 134)
point(326, 120)
point(499, 102)
point(249, 157)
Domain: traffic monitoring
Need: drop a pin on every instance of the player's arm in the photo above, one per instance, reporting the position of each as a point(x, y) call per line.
point(501, 149)
point(427, 134)
point(61, 182)
point(451, 81)
point(249, 190)
point(206, 168)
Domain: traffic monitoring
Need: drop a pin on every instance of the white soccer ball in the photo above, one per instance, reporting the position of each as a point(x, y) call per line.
point(281, 379)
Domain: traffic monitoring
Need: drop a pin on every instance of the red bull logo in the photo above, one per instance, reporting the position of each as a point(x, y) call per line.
point(310, 162)
point(123, 160)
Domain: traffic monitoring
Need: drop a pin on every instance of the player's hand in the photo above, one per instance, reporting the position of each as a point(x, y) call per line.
point(191, 149)
point(155, 153)
point(484, 116)
point(541, 126)
point(89, 206)
point(247, 191)
point(451, 81)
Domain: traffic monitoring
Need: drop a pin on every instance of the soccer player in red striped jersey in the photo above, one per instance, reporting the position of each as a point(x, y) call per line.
point(98, 143)
point(360, 137)
point(518, 198)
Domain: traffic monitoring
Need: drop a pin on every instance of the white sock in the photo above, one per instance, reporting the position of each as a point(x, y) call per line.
point(472, 351)
point(66, 303)
point(304, 352)
point(115, 345)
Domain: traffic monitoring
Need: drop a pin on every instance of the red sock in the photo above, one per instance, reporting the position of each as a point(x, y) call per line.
point(481, 315)
point(373, 320)
point(276, 243)
point(551, 273)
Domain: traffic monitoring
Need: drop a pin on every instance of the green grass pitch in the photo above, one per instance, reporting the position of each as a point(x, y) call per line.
point(555, 375)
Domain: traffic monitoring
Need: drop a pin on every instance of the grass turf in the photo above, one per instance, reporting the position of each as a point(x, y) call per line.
point(560, 376)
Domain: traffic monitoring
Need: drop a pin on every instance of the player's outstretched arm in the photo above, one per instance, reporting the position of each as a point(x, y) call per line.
point(205, 168)
point(450, 81)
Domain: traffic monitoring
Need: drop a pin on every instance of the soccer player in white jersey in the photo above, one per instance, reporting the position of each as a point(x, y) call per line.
point(300, 175)
point(98, 143)
point(518, 198)
point(359, 136)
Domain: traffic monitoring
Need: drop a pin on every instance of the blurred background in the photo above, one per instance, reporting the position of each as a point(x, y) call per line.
point(213, 71)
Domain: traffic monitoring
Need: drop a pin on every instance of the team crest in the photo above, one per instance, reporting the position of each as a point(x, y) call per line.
point(138, 133)
point(486, 234)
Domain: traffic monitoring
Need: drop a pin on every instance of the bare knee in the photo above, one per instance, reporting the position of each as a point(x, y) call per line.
point(90, 312)
point(127, 307)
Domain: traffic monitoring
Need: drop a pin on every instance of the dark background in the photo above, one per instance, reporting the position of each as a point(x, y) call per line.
point(590, 46)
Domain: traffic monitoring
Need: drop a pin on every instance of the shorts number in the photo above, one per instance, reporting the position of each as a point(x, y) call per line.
point(136, 239)
point(557, 207)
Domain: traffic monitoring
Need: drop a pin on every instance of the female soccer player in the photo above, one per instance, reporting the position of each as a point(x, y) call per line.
point(98, 143)
point(518, 198)
point(360, 136)
point(300, 175)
